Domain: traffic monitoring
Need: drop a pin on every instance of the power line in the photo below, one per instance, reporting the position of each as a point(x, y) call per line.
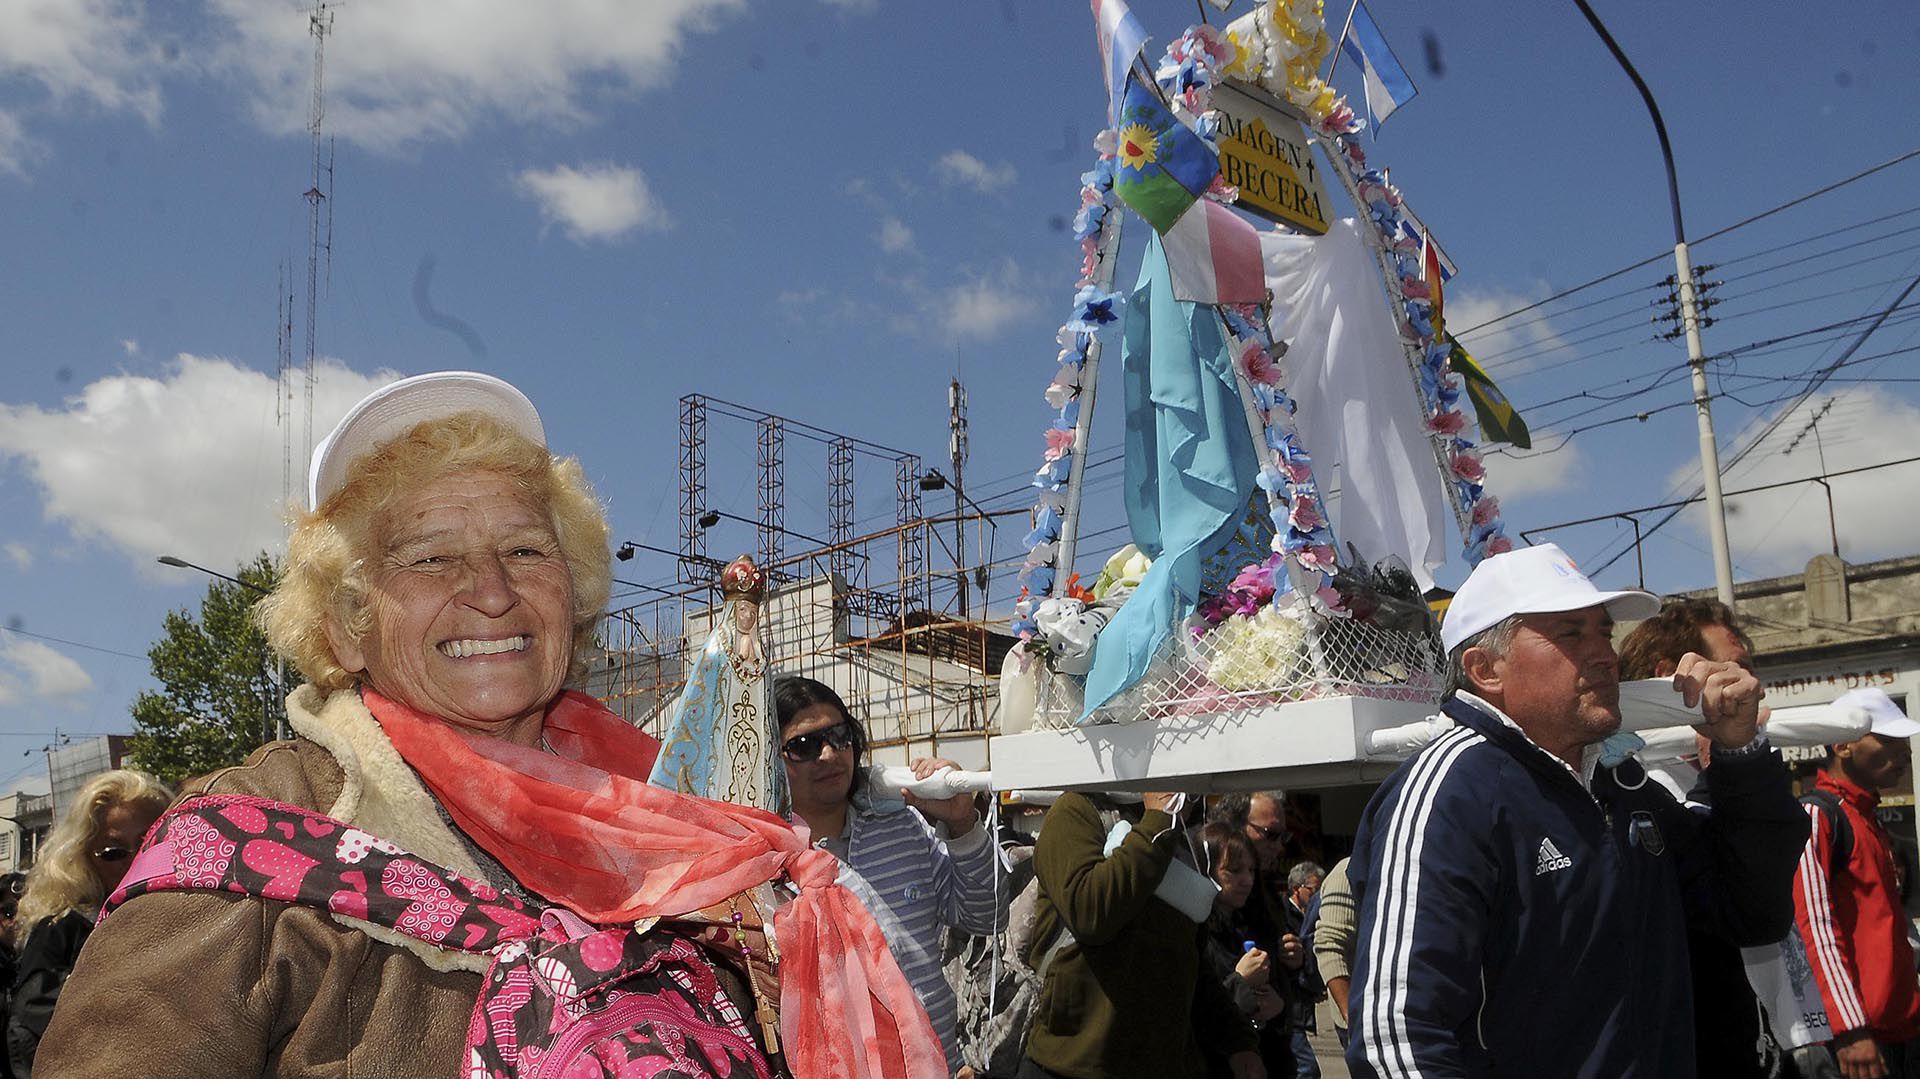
point(71, 644)
point(1603, 278)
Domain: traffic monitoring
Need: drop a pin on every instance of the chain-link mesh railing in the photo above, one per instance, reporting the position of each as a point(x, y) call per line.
point(1246, 663)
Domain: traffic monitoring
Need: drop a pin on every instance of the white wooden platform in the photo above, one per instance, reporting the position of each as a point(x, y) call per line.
point(1305, 744)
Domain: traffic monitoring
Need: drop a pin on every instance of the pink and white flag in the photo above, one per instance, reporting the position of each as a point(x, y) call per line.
point(1213, 255)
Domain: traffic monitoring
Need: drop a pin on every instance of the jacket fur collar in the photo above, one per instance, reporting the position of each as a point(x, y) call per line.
point(382, 795)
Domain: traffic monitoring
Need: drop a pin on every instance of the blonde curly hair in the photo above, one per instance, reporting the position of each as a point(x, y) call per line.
point(329, 551)
point(63, 879)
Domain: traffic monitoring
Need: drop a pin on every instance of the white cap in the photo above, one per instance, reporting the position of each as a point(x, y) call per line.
point(1888, 721)
point(1532, 580)
point(396, 408)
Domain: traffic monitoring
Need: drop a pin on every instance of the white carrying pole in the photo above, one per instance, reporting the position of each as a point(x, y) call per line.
point(1107, 254)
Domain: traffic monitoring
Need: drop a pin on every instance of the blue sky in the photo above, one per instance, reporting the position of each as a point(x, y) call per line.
point(825, 209)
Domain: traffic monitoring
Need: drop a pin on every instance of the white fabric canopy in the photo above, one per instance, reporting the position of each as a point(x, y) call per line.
point(1360, 413)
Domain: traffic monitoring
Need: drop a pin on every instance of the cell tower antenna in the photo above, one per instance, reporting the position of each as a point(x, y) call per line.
point(320, 24)
point(283, 397)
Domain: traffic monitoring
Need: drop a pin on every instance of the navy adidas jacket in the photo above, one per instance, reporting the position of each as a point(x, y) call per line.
point(1512, 924)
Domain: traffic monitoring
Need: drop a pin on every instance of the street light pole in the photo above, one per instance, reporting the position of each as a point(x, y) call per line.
point(1690, 319)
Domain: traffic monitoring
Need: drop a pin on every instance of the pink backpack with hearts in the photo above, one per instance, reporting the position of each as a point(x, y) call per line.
point(561, 999)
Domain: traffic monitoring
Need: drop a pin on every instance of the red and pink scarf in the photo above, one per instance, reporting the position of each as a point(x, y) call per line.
point(582, 826)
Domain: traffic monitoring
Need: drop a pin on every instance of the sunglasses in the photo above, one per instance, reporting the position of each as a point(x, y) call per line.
point(807, 747)
point(113, 854)
point(1271, 835)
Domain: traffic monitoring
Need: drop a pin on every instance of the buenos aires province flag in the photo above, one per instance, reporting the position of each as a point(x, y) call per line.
point(1163, 166)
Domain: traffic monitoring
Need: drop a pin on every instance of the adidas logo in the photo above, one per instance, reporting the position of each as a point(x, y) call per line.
point(1550, 859)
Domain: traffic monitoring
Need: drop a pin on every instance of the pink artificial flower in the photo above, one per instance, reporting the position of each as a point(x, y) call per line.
point(1090, 196)
point(1106, 141)
point(1319, 558)
point(1297, 471)
point(1255, 581)
point(1499, 545)
point(1059, 443)
point(1259, 366)
point(1467, 466)
point(1354, 151)
point(1222, 191)
point(1415, 289)
point(1486, 510)
point(1305, 515)
point(1447, 422)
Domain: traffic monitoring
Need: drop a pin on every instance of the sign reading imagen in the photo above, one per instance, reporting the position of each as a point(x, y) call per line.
point(1265, 153)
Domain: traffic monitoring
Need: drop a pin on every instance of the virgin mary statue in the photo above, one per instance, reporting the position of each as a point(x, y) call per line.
point(720, 731)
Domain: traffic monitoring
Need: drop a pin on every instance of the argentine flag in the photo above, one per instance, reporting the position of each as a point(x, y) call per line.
point(1388, 86)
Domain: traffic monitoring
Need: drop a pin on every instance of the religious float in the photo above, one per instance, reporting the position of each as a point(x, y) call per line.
point(1258, 632)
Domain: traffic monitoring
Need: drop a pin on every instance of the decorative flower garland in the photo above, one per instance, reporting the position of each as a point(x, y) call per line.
point(1093, 309)
point(1282, 46)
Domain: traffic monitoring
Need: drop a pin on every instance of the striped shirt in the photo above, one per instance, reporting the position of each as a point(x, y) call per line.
point(916, 884)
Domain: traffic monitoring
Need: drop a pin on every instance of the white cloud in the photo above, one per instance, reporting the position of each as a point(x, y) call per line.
point(406, 70)
point(77, 52)
point(981, 308)
point(1532, 472)
point(859, 7)
point(16, 149)
point(20, 554)
point(1877, 513)
point(130, 346)
point(185, 464)
point(962, 168)
point(49, 672)
point(596, 202)
point(895, 236)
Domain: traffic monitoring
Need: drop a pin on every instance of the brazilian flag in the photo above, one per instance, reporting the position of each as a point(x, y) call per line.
point(1163, 166)
point(1499, 420)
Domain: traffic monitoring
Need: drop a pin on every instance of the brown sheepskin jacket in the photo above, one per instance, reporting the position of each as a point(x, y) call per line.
point(179, 984)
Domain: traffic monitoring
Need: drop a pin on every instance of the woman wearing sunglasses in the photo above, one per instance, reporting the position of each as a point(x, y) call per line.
point(86, 855)
point(919, 868)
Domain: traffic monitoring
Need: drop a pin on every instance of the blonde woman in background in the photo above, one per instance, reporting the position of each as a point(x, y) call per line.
point(85, 857)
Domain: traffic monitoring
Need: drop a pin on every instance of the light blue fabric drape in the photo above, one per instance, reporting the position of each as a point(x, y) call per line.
point(1190, 467)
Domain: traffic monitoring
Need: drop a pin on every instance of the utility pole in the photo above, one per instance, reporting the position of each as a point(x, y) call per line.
point(1690, 322)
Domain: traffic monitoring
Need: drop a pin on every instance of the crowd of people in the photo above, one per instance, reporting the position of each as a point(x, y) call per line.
point(457, 865)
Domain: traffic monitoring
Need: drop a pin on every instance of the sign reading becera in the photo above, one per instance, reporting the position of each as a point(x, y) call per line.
point(1265, 153)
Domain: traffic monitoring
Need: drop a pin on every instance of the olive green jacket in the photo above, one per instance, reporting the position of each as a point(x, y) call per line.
point(1127, 996)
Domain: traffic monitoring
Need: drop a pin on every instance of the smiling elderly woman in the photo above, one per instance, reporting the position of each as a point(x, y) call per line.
point(457, 866)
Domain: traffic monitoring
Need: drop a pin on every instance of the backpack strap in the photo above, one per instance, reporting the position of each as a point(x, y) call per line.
point(256, 846)
point(1840, 850)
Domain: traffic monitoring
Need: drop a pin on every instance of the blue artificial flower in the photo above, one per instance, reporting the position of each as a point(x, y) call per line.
point(1263, 396)
point(1038, 580)
point(1421, 324)
point(1100, 176)
point(1272, 481)
point(1094, 308)
point(1024, 627)
point(1276, 439)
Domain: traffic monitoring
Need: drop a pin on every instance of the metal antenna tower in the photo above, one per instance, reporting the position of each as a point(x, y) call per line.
point(320, 24)
point(283, 396)
point(957, 457)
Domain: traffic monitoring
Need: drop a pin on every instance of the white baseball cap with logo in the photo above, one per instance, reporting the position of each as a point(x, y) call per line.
point(1532, 580)
point(1886, 718)
point(398, 407)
